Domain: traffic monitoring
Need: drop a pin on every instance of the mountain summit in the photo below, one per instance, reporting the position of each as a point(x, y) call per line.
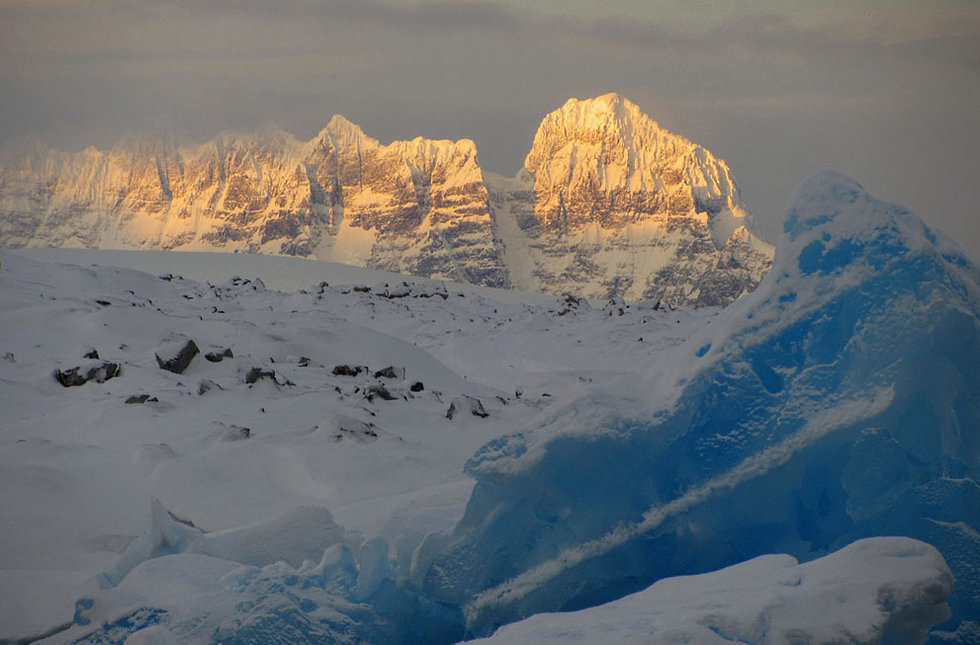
point(614, 204)
point(608, 204)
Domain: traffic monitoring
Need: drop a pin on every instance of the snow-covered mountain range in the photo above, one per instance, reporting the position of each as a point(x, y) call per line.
point(608, 204)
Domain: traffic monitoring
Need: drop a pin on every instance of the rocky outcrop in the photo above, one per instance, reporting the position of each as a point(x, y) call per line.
point(608, 204)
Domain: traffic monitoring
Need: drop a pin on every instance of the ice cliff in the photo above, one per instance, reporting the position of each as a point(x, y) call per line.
point(835, 402)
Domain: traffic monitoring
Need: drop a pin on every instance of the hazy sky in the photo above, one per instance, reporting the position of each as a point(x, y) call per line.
point(887, 91)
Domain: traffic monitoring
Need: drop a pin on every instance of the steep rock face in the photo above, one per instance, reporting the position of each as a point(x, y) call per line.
point(607, 205)
point(416, 207)
point(612, 205)
point(422, 204)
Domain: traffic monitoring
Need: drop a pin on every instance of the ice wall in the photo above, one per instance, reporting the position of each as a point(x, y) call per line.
point(839, 400)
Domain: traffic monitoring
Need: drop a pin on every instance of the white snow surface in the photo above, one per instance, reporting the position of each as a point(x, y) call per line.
point(867, 592)
point(80, 468)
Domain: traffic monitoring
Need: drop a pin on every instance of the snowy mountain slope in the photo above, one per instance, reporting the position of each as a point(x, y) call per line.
point(610, 448)
point(608, 205)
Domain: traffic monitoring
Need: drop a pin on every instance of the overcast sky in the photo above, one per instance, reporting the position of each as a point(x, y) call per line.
point(887, 91)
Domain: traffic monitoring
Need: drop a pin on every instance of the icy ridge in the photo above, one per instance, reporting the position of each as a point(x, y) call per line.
point(608, 205)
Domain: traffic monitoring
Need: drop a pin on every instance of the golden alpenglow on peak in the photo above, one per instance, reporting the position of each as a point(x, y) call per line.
point(608, 205)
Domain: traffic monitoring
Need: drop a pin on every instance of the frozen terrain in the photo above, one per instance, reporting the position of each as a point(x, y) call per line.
point(401, 460)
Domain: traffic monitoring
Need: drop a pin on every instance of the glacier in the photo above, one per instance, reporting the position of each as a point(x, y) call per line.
point(835, 405)
point(837, 401)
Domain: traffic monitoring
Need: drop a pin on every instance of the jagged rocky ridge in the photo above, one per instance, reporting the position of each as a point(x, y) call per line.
point(608, 204)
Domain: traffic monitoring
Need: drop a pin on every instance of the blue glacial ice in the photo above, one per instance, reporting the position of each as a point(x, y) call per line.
point(839, 401)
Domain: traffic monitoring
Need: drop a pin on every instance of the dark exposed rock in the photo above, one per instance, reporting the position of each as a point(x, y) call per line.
point(91, 353)
point(219, 355)
point(80, 375)
point(378, 391)
point(142, 398)
point(257, 373)
point(417, 386)
point(175, 353)
point(9, 357)
point(391, 372)
point(347, 370)
point(463, 404)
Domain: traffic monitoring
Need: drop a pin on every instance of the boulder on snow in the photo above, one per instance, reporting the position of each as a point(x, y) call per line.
point(416, 386)
point(142, 398)
point(257, 373)
point(218, 355)
point(378, 391)
point(391, 372)
point(97, 371)
point(464, 404)
point(347, 370)
point(174, 354)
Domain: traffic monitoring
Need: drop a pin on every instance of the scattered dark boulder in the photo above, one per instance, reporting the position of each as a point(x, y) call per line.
point(303, 361)
point(9, 357)
point(347, 370)
point(257, 373)
point(417, 386)
point(391, 372)
point(378, 391)
point(91, 352)
point(175, 353)
point(104, 303)
point(219, 355)
point(466, 404)
point(142, 398)
point(80, 375)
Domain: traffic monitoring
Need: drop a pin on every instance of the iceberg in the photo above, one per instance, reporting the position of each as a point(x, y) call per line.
point(837, 401)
